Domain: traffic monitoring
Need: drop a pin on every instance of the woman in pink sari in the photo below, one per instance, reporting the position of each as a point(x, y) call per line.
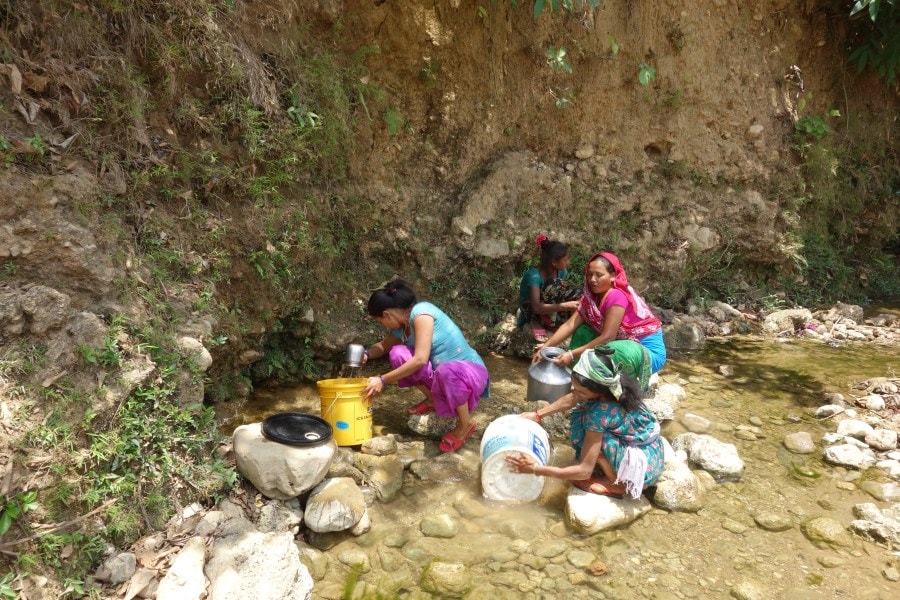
point(610, 309)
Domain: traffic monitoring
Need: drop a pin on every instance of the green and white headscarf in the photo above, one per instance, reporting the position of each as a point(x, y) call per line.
point(591, 366)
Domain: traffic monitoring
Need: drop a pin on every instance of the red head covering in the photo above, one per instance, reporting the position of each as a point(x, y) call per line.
point(589, 308)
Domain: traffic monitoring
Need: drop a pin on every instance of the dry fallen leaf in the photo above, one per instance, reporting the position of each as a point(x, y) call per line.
point(53, 379)
point(29, 110)
point(35, 82)
point(66, 552)
point(15, 77)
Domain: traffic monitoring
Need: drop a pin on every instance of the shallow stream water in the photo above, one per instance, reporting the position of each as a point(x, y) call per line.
point(526, 551)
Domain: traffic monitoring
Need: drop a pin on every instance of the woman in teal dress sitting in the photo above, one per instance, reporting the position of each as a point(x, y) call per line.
point(616, 438)
point(545, 297)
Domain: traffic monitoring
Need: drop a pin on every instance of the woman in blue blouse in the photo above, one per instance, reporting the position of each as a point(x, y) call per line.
point(427, 351)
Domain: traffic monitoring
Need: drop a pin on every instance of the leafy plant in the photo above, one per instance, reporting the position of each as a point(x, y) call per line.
point(613, 46)
point(565, 98)
point(556, 58)
point(36, 142)
point(6, 154)
point(812, 126)
point(108, 354)
point(13, 508)
point(6, 591)
point(302, 117)
point(880, 49)
point(394, 120)
point(646, 74)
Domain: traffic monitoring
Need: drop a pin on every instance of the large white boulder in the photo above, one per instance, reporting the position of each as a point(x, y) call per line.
point(678, 488)
point(251, 564)
point(185, 579)
point(334, 505)
point(721, 460)
point(277, 470)
point(591, 513)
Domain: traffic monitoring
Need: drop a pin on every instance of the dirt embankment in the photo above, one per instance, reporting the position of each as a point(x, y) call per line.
point(263, 165)
point(452, 152)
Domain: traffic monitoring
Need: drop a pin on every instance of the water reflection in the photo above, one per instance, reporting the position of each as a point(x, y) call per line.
point(772, 391)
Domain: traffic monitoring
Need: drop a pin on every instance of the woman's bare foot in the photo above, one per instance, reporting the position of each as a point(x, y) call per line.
point(601, 485)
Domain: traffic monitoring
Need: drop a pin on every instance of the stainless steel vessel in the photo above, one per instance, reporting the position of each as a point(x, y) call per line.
point(547, 380)
point(355, 353)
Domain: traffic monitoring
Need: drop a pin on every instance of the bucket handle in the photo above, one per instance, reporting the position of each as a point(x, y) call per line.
point(337, 397)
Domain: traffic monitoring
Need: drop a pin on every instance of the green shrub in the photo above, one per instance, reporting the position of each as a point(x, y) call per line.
point(880, 35)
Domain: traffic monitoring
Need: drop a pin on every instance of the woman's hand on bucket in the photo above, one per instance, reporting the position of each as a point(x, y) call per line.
point(374, 385)
point(531, 416)
point(521, 463)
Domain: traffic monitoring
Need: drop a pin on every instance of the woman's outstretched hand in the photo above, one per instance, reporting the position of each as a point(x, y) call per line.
point(521, 463)
point(374, 386)
point(570, 306)
point(537, 353)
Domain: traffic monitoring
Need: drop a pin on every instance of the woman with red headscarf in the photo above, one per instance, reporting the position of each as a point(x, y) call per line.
point(610, 309)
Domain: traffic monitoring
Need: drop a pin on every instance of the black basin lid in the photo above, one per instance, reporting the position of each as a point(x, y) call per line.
point(296, 429)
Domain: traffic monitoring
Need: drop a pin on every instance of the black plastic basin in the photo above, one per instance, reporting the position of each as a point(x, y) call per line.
point(296, 429)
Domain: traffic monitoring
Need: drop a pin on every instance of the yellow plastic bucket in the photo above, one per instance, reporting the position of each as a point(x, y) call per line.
point(348, 411)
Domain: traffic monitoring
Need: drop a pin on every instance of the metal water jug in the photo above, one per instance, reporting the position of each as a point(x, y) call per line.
point(547, 380)
point(354, 357)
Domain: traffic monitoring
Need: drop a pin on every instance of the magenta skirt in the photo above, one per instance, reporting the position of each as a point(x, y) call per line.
point(452, 384)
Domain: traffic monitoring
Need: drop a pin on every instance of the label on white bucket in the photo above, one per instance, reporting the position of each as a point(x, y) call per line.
point(507, 435)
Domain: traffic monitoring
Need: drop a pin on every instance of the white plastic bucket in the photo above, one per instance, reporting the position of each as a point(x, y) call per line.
point(506, 435)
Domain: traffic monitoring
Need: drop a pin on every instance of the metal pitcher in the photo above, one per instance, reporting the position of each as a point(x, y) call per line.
point(547, 380)
point(355, 353)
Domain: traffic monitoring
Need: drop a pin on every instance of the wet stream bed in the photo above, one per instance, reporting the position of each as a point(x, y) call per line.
point(526, 551)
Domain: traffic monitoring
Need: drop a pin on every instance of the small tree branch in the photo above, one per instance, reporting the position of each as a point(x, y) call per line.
point(58, 526)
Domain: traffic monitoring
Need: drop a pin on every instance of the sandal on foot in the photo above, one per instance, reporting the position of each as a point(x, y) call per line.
point(420, 409)
point(595, 486)
point(450, 443)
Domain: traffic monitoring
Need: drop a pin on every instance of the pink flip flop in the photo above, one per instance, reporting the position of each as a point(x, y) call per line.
point(452, 444)
point(420, 409)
